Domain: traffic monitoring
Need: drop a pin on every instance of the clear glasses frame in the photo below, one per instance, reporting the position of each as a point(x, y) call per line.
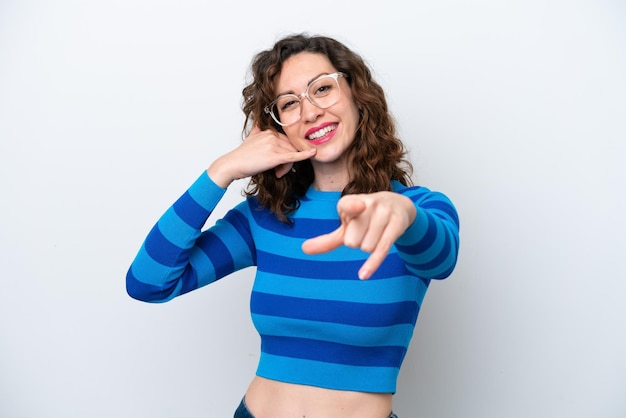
point(270, 108)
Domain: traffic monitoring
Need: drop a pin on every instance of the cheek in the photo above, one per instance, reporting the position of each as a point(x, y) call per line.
point(294, 138)
point(353, 110)
point(355, 115)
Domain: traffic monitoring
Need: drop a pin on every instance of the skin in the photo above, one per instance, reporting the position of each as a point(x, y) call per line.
point(371, 222)
point(329, 163)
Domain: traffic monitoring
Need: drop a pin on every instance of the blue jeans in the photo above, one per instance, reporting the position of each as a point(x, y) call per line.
point(243, 412)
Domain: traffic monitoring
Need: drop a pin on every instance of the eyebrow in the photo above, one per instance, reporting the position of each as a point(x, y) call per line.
point(307, 84)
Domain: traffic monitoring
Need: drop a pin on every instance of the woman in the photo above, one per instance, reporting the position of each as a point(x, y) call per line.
point(343, 245)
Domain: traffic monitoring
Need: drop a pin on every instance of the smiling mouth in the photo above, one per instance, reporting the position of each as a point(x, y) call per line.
point(321, 133)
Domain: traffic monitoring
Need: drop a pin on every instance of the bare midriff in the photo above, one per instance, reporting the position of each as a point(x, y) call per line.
point(267, 398)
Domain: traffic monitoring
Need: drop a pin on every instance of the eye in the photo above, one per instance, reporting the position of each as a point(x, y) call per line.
point(287, 103)
point(323, 88)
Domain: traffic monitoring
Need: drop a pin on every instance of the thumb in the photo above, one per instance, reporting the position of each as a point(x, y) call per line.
point(282, 169)
point(324, 243)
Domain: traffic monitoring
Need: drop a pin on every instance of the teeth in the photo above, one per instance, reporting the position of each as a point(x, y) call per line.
point(322, 132)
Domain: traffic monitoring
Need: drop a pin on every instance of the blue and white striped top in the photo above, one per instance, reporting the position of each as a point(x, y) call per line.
point(319, 324)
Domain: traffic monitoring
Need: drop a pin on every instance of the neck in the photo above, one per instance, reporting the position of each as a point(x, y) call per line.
point(329, 185)
point(330, 177)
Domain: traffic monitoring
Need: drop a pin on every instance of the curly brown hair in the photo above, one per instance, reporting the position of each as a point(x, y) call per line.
point(377, 156)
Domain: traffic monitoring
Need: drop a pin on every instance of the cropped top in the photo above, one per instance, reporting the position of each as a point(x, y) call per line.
point(319, 324)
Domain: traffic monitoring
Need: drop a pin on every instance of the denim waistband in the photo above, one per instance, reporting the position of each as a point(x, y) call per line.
point(243, 411)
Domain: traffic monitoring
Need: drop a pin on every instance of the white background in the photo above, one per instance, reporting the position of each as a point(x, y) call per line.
point(516, 110)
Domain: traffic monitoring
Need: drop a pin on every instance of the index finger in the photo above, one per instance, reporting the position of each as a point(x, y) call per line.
point(376, 257)
point(255, 129)
point(372, 263)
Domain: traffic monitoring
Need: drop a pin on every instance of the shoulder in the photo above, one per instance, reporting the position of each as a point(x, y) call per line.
point(409, 191)
point(258, 213)
point(425, 197)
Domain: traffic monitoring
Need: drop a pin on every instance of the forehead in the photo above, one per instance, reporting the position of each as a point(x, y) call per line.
point(298, 70)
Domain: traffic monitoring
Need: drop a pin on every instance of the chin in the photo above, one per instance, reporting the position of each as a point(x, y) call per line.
point(331, 157)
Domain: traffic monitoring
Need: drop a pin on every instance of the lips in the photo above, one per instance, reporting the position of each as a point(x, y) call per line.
point(320, 132)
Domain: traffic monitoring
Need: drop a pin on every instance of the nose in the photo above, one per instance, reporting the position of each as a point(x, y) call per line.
point(310, 112)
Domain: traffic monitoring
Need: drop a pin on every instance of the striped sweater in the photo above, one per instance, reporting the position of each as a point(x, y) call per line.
point(319, 324)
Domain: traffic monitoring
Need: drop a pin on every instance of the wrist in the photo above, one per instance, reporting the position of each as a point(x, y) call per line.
point(219, 175)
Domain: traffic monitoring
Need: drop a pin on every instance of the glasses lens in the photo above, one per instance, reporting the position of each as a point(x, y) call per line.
point(324, 92)
point(286, 110)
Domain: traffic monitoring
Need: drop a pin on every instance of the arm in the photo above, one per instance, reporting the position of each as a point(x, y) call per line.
point(177, 257)
point(422, 224)
point(430, 245)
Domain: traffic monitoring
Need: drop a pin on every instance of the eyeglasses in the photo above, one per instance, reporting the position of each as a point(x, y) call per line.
point(322, 92)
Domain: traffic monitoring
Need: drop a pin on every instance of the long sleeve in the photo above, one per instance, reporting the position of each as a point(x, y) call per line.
point(177, 256)
point(430, 245)
point(319, 324)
